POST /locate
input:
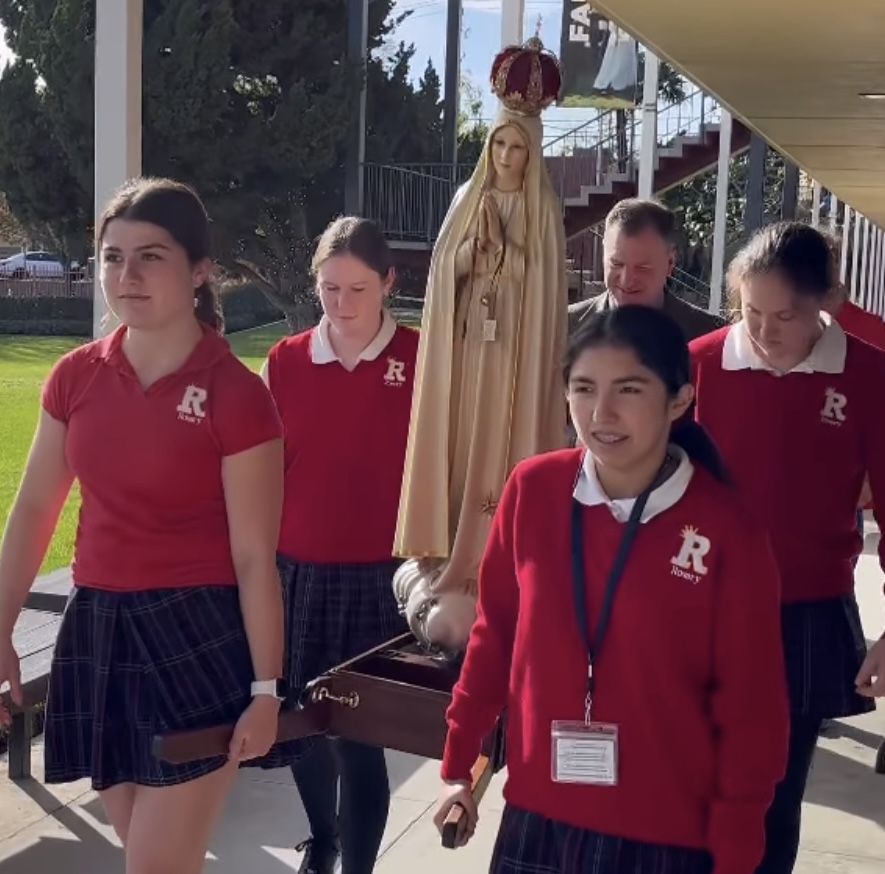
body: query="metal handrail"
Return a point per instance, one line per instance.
(411, 200)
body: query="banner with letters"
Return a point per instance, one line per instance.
(600, 61)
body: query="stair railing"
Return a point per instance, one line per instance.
(411, 200)
(609, 144)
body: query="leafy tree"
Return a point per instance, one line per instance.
(12, 233)
(472, 129)
(403, 123)
(40, 189)
(249, 100)
(695, 200)
(695, 203)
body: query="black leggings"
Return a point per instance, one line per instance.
(784, 818)
(358, 821)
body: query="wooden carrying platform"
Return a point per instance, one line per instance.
(394, 696)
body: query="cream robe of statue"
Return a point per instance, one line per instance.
(488, 390)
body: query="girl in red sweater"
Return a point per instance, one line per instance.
(628, 620)
(795, 405)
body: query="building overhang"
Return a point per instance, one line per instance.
(793, 70)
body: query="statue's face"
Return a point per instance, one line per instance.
(510, 155)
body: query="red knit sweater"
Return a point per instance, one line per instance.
(690, 670)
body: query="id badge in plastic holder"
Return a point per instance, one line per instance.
(584, 753)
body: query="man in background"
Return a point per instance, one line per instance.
(639, 254)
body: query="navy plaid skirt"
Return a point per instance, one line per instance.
(129, 665)
(824, 646)
(334, 612)
(528, 843)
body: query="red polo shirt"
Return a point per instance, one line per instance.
(864, 325)
(149, 461)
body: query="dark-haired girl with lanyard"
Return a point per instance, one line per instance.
(795, 405)
(629, 620)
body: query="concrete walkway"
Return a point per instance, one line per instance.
(50, 830)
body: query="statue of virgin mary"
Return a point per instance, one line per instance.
(487, 388)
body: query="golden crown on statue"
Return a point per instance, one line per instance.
(526, 78)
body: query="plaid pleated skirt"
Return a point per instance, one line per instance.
(824, 647)
(528, 843)
(129, 665)
(334, 612)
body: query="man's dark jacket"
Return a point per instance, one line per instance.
(694, 321)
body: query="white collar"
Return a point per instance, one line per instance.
(321, 351)
(589, 492)
(827, 356)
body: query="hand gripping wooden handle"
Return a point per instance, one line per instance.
(180, 747)
(455, 823)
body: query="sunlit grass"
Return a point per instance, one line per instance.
(24, 364)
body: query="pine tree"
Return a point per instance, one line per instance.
(248, 100)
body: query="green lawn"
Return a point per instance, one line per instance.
(24, 363)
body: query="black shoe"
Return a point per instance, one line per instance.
(319, 856)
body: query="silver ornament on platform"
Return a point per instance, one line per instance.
(441, 621)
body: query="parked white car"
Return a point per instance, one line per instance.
(28, 265)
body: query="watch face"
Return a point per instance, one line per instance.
(282, 690)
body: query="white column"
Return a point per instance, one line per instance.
(512, 22)
(876, 248)
(879, 282)
(882, 273)
(717, 272)
(866, 274)
(648, 147)
(815, 205)
(834, 209)
(118, 43)
(855, 257)
(881, 310)
(846, 228)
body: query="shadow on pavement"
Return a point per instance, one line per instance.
(841, 783)
(83, 850)
(262, 822)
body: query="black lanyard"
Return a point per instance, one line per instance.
(593, 643)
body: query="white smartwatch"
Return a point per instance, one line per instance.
(273, 688)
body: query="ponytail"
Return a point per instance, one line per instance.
(697, 444)
(207, 307)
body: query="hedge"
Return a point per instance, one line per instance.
(55, 316)
(245, 307)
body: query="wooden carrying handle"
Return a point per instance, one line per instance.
(180, 747)
(455, 824)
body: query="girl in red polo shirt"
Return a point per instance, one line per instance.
(176, 620)
(344, 392)
(795, 405)
(629, 620)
